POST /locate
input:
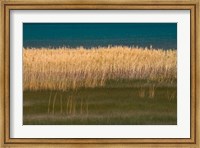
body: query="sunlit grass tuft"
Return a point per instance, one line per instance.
(65, 68)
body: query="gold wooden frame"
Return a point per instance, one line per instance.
(7, 5)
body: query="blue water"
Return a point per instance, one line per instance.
(157, 35)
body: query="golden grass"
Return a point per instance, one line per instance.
(65, 68)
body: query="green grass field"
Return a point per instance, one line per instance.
(117, 103)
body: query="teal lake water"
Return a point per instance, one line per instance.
(157, 35)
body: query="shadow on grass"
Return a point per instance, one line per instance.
(130, 105)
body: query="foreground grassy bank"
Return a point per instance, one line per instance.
(127, 105)
(101, 86)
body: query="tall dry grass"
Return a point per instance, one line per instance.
(64, 68)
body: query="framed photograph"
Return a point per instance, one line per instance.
(120, 73)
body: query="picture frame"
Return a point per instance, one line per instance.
(7, 6)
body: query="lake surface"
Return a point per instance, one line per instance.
(157, 35)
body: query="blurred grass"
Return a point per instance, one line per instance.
(118, 103)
